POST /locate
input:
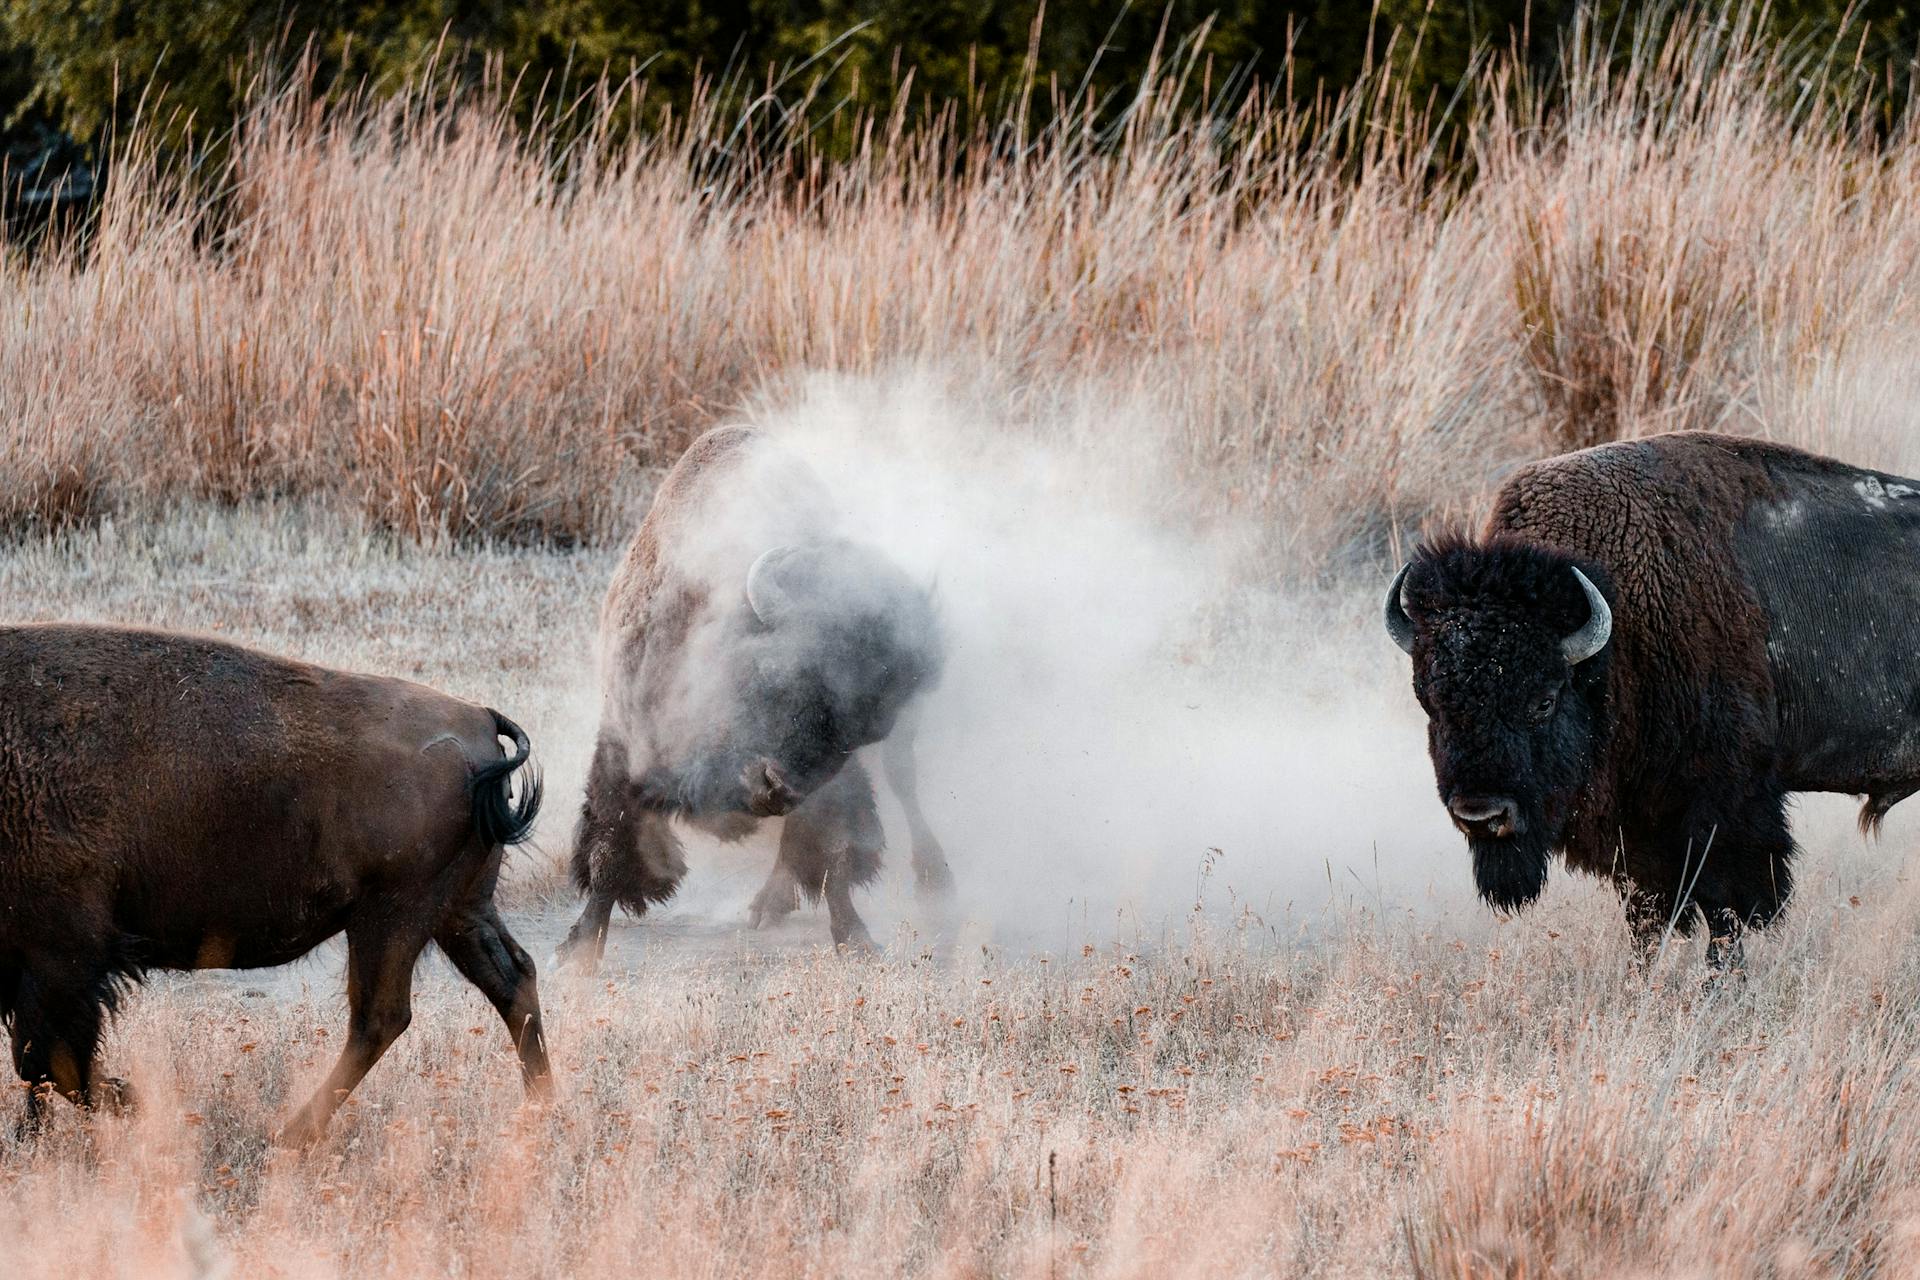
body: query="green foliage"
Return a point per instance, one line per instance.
(88, 64)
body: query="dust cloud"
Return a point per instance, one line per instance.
(1135, 721)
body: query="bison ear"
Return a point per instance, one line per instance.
(1593, 635)
(1399, 625)
(769, 594)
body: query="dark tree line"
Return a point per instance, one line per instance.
(75, 67)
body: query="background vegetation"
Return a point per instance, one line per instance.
(85, 63)
(416, 305)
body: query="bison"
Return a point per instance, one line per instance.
(1650, 645)
(748, 650)
(174, 802)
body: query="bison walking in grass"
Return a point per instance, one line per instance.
(1652, 644)
(173, 802)
(748, 650)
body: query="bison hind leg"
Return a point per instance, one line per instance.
(384, 941)
(486, 954)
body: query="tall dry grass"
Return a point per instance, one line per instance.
(409, 307)
(1364, 1082)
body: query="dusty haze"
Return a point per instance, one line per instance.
(1134, 717)
(1137, 716)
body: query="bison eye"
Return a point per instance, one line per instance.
(1543, 709)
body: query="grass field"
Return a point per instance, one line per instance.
(1159, 412)
(1376, 1077)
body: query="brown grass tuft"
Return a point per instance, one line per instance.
(418, 312)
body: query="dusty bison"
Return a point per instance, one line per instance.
(747, 651)
(173, 802)
(1650, 645)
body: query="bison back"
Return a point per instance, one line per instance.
(1831, 554)
(224, 807)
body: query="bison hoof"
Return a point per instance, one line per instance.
(580, 951)
(573, 960)
(932, 878)
(113, 1095)
(777, 900)
(856, 942)
(299, 1133)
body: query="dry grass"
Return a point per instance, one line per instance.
(1208, 1108)
(449, 327)
(1401, 1087)
(415, 327)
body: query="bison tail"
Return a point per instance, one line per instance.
(500, 819)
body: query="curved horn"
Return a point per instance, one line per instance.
(1593, 636)
(765, 596)
(1399, 625)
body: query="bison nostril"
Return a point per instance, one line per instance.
(1484, 815)
(770, 794)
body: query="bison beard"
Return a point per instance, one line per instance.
(1509, 873)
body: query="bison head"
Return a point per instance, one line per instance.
(831, 642)
(1510, 648)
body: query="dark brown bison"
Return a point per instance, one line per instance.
(1649, 647)
(747, 651)
(173, 802)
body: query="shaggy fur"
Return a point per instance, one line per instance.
(1764, 609)
(174, 802)
(718, 716)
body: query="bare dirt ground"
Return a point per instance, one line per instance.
(1385, 1082)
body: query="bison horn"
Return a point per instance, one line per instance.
(1592, 637)
(766, 595)
(1399, 625)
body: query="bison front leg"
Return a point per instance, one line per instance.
(624, 854)
(586, 941)
(777, 897)
(1745, 874)
(381, 952)
(1725, 954)
(1652, 917)
(832, 845)
(932, 876)
(55, 1032)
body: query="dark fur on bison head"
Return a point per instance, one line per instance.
(1510, 653)
(831, 641)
